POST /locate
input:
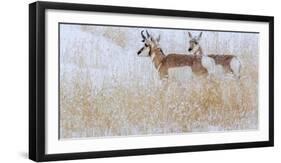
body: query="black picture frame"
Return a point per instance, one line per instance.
(37, 80)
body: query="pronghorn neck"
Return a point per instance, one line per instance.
(157, 56)
(197, 51)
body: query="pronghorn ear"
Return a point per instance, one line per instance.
(158, 39)
(148, 35)
(190, 35)
(200, 35)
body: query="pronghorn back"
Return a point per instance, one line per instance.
(180, 60)
(223, 60)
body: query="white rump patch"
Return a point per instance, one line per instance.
(235, 65)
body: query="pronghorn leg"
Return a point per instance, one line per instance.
(163, 74)
(164, 78)
(235, 66)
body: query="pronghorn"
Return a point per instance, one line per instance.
(193, 44)
(163, 62)
(229, 63)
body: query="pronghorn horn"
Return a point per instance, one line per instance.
(158, 39)
(142, 35)
(190, 35)
(148, 35)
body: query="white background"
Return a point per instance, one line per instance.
(14, 79)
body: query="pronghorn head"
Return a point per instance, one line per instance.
(149, 44)
(194, 47)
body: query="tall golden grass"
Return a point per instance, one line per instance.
(132, 107)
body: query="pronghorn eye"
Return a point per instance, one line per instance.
(142, 40)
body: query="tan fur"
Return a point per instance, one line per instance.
(176, 60)
(223, 60)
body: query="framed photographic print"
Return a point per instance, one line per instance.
(109, 81)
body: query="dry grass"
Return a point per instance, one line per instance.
(200, 105)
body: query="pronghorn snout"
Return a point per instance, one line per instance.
(140, 51)
(189, 49)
